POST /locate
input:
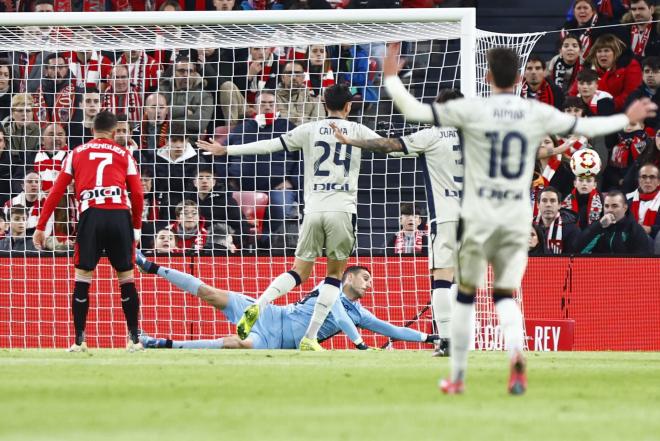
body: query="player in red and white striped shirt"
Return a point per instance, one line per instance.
(109, 220)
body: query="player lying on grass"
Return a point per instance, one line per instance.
(282, 327)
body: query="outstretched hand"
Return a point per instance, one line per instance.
(212, 147)
(640, 110)
(391, 61)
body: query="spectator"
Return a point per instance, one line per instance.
(9, 170)
(295, 101)
(215, 205)
(80, 130)
(142, 71)
(176, 165)
(645, 201)
(48, 161)
(6, 88)
(650, 155)
(535, 86)
(32, 199)
(123, 135)
(649, 89)
(89, 69)
(598, 102)
(536, 242)
(166, 242)
(22, 131)
(585, 200)
(224, 5)
(221, 239)
(262, 73)
(620, 73)
(630, 144)
(353, 70)
(573, 105)
(319, 69)
(616, 232)
(154, 210)
(564, 67)
(410, 239)
(551, 169)
(190, 231)
(557, 224)
(276, 174)
(156, 124)
(308, 4)
(586, 24)
(16, 239)
(258, 5)
(189, 102)
(56, 95)
(643, 37)
(121, 97)
(62, 238)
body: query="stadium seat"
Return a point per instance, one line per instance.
(253, 205)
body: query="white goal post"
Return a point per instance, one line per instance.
(443, 49)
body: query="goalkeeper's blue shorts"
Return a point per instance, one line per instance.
(267, 331)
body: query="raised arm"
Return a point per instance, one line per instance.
(380, 145)
(264, 147)
(403, 100)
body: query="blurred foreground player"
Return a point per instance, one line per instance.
(102, 171)
(501, 134)
(282, 327)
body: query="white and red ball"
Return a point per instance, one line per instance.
(585, 162)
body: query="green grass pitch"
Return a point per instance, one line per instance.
(341, 395)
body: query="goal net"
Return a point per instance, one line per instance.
(235, 78)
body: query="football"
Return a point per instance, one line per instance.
(585, 162)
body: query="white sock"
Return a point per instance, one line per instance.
(441, 303)
(461, 323)
(510, 318)
(281, 285)
(328, 294)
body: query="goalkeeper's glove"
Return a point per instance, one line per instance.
(432, 338)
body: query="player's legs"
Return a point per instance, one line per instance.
(509, 264)
(80, 307)
(181, 280)
(339, 232)
(285, 282)
(442, 259)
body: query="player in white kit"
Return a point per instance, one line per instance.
(331, 179)
(441, 159)
(501, 134)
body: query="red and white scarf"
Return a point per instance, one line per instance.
(91, 72)
(48, 165)
(400, 242)
(187, 242)
(599, 95)
(645, 206)
(581, 143)
(327, 80)
(34, 209)
(594, 205)
(554, 241)
(585, 38)
(143, 73)
(543, 93)
(628, 148)
(63, 102)
(550, 169)
(123, 104)
(638, 40)
(162, 135)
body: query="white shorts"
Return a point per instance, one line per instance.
(504, 248)
(442, 246)
(332, 230)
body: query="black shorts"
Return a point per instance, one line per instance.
(105, 230)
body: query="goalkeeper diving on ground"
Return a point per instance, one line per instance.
(282, 327)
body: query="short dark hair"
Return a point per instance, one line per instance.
(183, 204)
(18, 209)
(337, 96)
(571, 36)
(91, 89)
(105, 121)
(591, 3)
(649, 3)
(53, 55)
(615, 193)
(146, 172)
(445, 95)
(353, 269)
(551, 189)
(296, 62)
(536, 58)
(587, 76)
(573, 101)
(503, 65)
(652, 61)
(409, 209)
(177, 131)
(205, 169)
(122, 118)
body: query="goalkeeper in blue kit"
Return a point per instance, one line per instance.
(282, 327)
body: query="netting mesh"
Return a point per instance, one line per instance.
(232, 221)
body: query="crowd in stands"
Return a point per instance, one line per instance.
(166, 100)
